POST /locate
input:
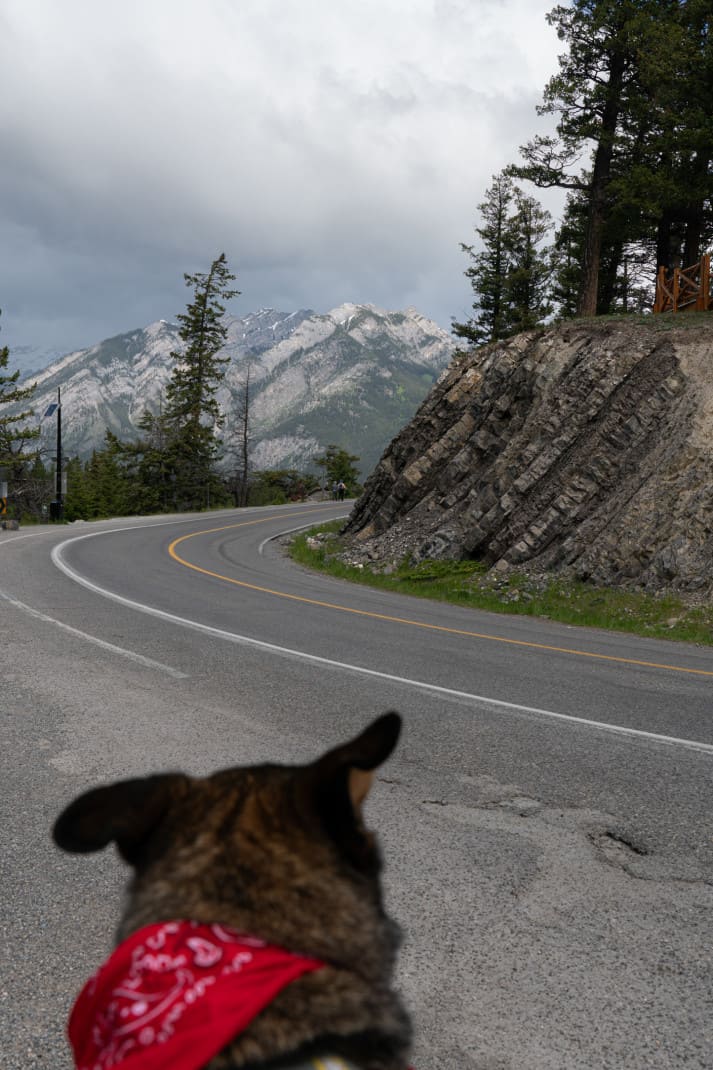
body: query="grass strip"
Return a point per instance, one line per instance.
(467, 583)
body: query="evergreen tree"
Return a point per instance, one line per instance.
(619, 255)
(588, 95)
(510, 275)
(17, 440)
(106, 488)
(632, 100)
(154, 469)
(566, 256)
(121, 479)
(147, 466)
(489, 267)
(192, 411)
(134, 486)
(679, 167)
(529, 269)
(15, 435)
(339, 466)
(78, 501)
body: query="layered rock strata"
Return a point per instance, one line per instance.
(586, 450)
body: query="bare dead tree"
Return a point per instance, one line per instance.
(242, 473)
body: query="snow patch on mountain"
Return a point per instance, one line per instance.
(353, 375)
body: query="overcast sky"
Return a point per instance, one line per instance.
(335, 150)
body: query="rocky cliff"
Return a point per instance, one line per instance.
(586, 450)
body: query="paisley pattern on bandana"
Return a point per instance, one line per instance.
(174, 994)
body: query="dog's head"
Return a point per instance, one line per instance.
(279, 851)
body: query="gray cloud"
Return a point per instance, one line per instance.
(334, 152)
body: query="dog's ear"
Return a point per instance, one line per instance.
(340, 781)
(126, 812)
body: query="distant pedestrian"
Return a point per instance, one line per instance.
(335, 490)
(341, 490)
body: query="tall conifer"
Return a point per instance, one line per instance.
(192, 410)
(509, 274)
(633, 136)
(489, 267)
(15, 435)
(529, 268)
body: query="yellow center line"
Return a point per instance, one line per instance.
(405, 620)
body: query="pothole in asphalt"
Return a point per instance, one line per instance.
(624, 841)
(618, 847)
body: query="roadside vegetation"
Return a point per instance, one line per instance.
(466, 583)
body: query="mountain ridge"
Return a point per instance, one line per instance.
(353, 375)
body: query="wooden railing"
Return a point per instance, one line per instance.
(685, 289)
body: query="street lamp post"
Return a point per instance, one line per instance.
(57, 506)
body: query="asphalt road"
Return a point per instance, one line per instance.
(546, 819)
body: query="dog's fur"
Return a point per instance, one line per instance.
(279, 852)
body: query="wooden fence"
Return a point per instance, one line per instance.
(685, 289)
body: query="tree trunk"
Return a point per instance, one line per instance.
(695, 212)
(589, 285)
(664, 248)
(245, 441)
(608, 278)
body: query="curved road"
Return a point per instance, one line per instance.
(546, 819)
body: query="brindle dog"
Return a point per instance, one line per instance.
(279, 852)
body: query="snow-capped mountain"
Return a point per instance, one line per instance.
(353, 376)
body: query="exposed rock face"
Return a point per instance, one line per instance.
(585, 450)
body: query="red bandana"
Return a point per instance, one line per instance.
(174, 994)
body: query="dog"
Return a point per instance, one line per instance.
(254, 934)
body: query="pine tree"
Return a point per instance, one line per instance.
(489, 267)
(14, 432)
(529, 270)
(146, 465)
(566, 256)
(679, 167)
(16, 438)
(78, 501)
(192, 411)
(588, 95)
(510, 275)
(634, 135)
(105, 486)
(339, 465)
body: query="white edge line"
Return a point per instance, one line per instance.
(132, 655)
(291, 531)
(140, 659)
(446, 692)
